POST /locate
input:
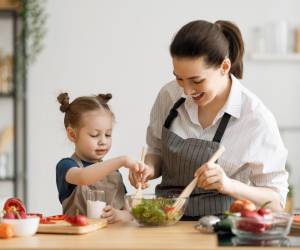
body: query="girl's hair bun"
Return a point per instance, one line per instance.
(63, 99)
(104, 98)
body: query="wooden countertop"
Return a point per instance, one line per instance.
(123, 236)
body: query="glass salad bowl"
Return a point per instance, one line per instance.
(272, 227)
(151, 210)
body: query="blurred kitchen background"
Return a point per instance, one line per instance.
(121, 47)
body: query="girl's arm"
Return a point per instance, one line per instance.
(147, 171)
(97, 171)
(114, 215)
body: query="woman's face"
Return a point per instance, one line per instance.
(199, 81)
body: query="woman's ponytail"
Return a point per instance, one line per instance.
(236, 46)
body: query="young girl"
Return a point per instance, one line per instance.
(88, 122)
(207, 105)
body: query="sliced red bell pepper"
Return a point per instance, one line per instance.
(45, 220)
(14, 204)
(57, 217)
(168, 209)
(36, 214)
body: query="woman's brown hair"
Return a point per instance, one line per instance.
(74, 110)
(212, 41)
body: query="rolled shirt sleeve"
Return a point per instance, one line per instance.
(267, 159)
(159, 113)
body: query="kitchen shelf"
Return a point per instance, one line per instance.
(9, 5)
(289, 128)
(7, 95)
(17, 96)
(289, 57)
(7, 179)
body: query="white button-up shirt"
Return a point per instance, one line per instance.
(254, 154)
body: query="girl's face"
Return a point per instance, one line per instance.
(199, 81)
(94, 138)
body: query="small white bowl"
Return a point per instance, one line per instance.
(24, 227)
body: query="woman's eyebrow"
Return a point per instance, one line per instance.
(190, 78)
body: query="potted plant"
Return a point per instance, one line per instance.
(289, 205)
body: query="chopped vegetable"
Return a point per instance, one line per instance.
(6, 231)
(45, 220)
(77, 220)
(14, 204)
(57, 217)
(223, 226)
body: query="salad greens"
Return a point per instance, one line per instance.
(156, 212)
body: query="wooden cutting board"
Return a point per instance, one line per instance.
(63, 227)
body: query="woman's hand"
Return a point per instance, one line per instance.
(141, 176)
(114, 215)
(212, 176)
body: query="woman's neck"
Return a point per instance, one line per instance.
(208, 113)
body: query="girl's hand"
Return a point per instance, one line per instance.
(212, 176)
(141, 176)
(114, 215)
(130, 163)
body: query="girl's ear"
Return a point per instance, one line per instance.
(71, 134)
(225, 67)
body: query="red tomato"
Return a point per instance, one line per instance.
(168, 209)
(77, 220)
(241, 205)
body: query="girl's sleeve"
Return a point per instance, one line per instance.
(64, 188)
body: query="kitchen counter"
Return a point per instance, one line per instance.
(124, 236)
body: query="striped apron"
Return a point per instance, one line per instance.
(112, 185)
(180, 159)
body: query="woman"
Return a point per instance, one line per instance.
(207, 105)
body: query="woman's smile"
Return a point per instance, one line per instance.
(198, 96)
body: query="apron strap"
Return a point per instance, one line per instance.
(222, 127)
(173, 112)
(220, 130)
(78, 161)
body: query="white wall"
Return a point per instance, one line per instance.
(122, 47)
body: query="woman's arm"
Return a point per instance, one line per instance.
(97, 171)
(258, 195)
(212, 176)
(154, 163)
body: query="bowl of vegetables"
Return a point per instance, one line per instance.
(254, 226)
(152, 210)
